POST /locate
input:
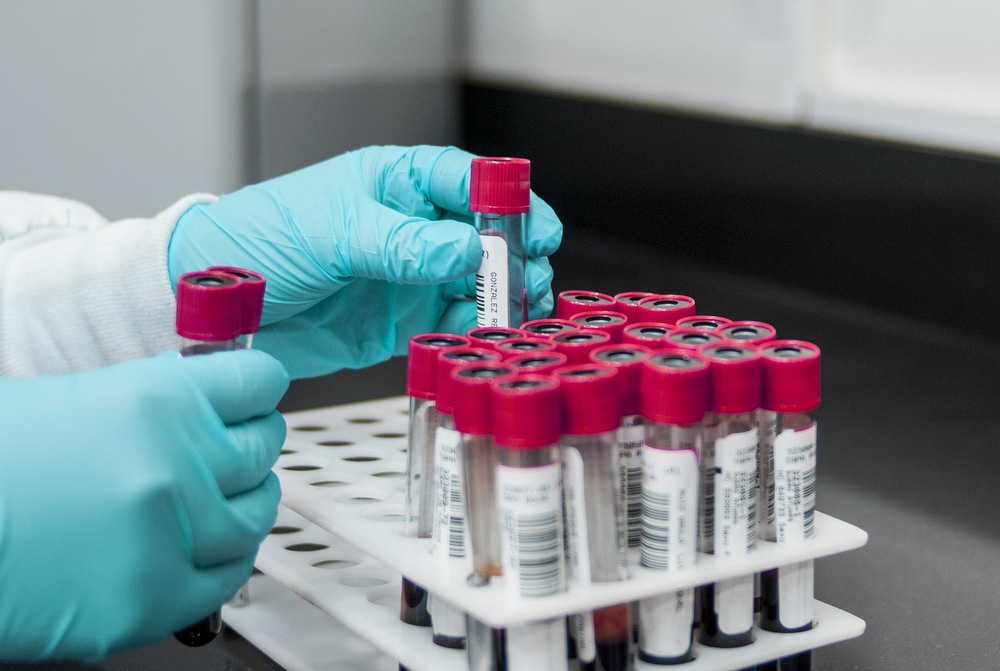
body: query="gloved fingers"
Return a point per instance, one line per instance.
(400, 249)
(537, 279)
(544, 230)
(212, 587)
(225, 533)
(542, 308)
(240, 384)
(423, 181)
(459, 316)
(244, 461)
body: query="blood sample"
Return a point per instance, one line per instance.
(706, 322)
(569, 303)
(595, 534)
(627, 303)
(609, 321)
(527, 345)
(421, 384)
(537, 364)
(527, 424)
(673, 399)
(489, 337)
(729, 490)
(749, 332)
(252, 287)
(500, 197)
(576, 345)
(788, 475)
(692, 338)
(546, 328)
(208, 319)
(664, 308)
(647, 334)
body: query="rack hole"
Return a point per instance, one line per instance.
(362, 458)
(364, 420)
(335, 563)
(285, 530)
(309, 427)
(306, 547)
(302, 467)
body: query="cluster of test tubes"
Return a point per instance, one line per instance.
(626, 431)
(218, 310)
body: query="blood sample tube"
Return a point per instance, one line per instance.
(421, 384)
(691, 338)
(489, 337)
(609, 321)
(706, 322)
(729, 490)
(788, 470)
(537, 364)
(253, 287)
(208, 319)
(627, 303)
(527, 424)
(673, 398)
(546, 328)
(664, 308)
(594, 512)
(749, 332)
(499, 197)
(647, 334)
(517, 346)
(576, 345)
(569, 303)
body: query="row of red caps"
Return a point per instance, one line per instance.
(581, 372)
(220, 303)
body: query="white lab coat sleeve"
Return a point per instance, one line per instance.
(78, 292)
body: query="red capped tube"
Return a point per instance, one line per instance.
(665, 308)
(527, 345)
(627, 303)
(253, 287)
(448, 360)
(569, 303)
(705, 322)
(609, 321)
(749, 332)
(692, 338)
(489, 337)
(647, 334)
(546, 328)
(544, 363)
(577, 345)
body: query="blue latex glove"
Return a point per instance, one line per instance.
(132, 498)
(360, 252)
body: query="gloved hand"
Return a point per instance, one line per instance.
(360, 252)
(132, 498)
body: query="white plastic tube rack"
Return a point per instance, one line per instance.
(343, 472)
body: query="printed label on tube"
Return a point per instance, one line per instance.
(767, 421)
(795, 484)
(630, 475)
(795, 595)
(665, 624)
(493, 283)
(449, 508)
(736, 494)
(669, 508)
(577, 544)
(531, 528)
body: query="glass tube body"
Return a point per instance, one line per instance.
(669, 537)
(448, 515)
(501, 298)
(728, 515)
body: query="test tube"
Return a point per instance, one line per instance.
(647, 334)
(546, 328)
(527, 424)
(421, 384)
(673, 399)
(527, 345)
(595, 534)
(664, 308)
(488, 337)
(569, 303)
(729, 490)
(208, 319)
(500, 198)
(252, 287)
(692, 338)
(627, 302)
(749, 332)
(537, 364)
(576, 345)
(788, 438)
(706, 322)
(609, 321)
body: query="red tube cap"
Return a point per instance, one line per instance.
(609, 321)
(472, 386)
(627, 302)
(526, 345)
(527, 412)
(500, 185)
(487, 337)
(568, 303)
(735, 377)
(691, 338)
(546, 328)
(448, 360)
(576, 345)
(253, 295)
(664, 308)
(673, 387)
(749, 332)
(705, 322)
(590, 398)
(209, 306)
(628, 360)
(537, 364)
(791, 375)
(648, 334)
(421, 362)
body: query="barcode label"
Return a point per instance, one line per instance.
(706, 500)
(795, 484)
(767, 424)
(669, 508)
(735, 512)
(577, 547)
(531, 525)
(493, 284)
(630, 475)
(449, 505)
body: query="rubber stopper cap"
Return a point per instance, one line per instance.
(472, 387)
(487, 337)
(421, 362)
(590, 398)
(649, 334)
(546, 328)
(749, 332)
(209, 306)
(628, 360)
(569, 303)
(576, 345)
(705, 322)
(735, 377)
(673, 387)
(665, 308)
(791, 375)
(527, 412)
(526, 345)
(627, 303)
(609, 321)
(448, 360)
(500, 185)
(692, 338)
(537, 364)
(253, 287)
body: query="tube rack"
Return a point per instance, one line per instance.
(342, 472)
